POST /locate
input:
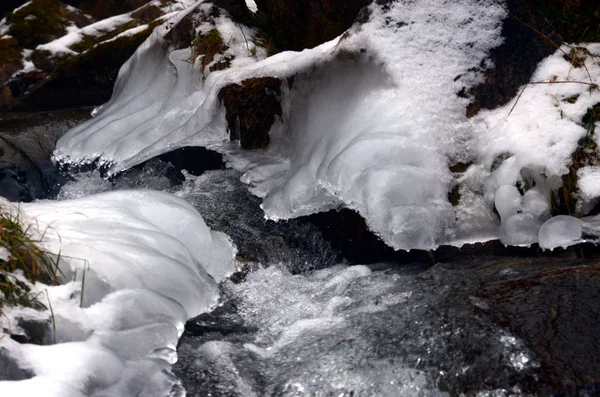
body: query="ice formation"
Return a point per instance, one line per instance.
(137, 264)
(372, 122)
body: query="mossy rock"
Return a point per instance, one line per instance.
(251, 109)
(11, 58)
(37, 23)
(90, 41)
(83, 80)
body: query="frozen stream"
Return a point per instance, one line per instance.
(346, 330)
(299, 320)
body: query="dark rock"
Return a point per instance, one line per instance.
(26, 143)
(515, 59)
(7, 6)
(194, 159)
(236, 8)
(555, 310)
(295, 25)
(21, 85)
(35, 332)
(182, 34)
(251, 109)
(83, 80)
(223, 320)
(574, 20)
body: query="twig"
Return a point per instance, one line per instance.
(544, 36)
(592, 85)
(243, 34)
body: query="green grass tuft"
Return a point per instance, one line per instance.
(26, 260)
(209, 45)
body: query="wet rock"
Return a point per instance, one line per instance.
(224, 320)
(554, 308)
(251, 110)
(26, 143)
(295, 25)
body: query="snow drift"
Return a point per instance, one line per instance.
(137, 265)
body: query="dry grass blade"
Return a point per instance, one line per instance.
(209, 45)
(591, 85)
(23, 262)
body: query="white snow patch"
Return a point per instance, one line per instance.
(28, 65)
(4, 27)
(149, 263)
(22, 6)
(251, 4)
(62, 44)
(127, 33)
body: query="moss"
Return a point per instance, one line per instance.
(37, 23)
(209, 45)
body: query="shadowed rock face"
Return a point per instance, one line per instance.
(7, 6)
(515, 59)
(573, 20)
(26, 143)
(251, 110)
(295, 25)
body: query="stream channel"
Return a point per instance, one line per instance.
(298, 319)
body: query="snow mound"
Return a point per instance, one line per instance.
(137, 264)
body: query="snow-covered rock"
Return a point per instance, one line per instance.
(137, 265)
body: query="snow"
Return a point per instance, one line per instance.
(127, 33)
(588, 180)
(137, 264)
(4, 254)
(251, 4)
(4, 27)
(62, 44)
(372, 123)
(28, 65)
(22, 6)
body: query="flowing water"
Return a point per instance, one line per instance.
(299, 320)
